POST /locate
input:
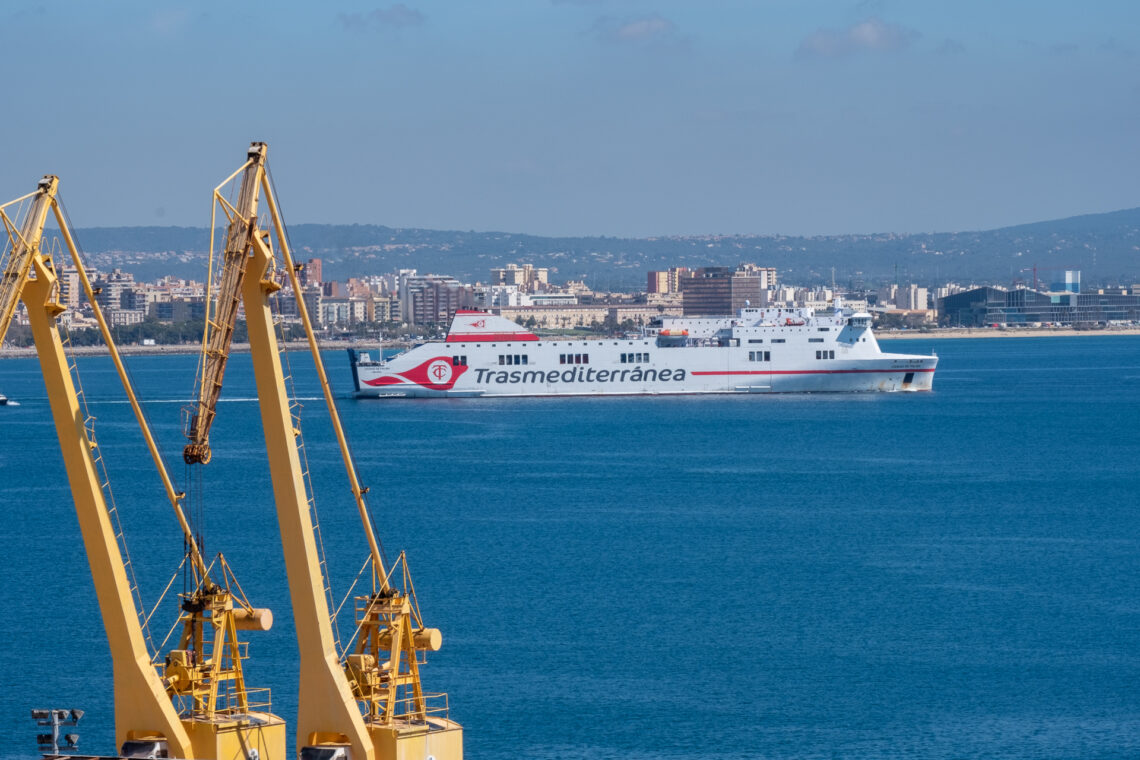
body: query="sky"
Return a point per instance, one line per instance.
(626, 118)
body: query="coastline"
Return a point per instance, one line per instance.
(182, 348)
(990, 332)
(300, 345)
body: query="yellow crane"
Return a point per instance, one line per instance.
(195, 703)
(366, 702)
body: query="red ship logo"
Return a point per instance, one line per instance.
(437, 374)
(479, 323)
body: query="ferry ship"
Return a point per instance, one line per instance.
(760, 350)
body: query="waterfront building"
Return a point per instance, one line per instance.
(342, 311)
(998, 306)
(381, 308)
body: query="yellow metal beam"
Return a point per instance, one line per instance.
(358, 492)
(378, 570)
(142, 708)
(326, 709)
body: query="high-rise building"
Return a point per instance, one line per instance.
(111, 287)
(311, 273)
(667, 281)
(431, 299)
(721, 291)
(912, 298)
(70, 292)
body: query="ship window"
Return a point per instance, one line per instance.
(502, 359)
(830, 354)
(524, 358)
(778, 340)
(824, 329)
(818, 354)
(623, 358)
(585, 358)
(815, 340)
(518, 359)
(755, 340)
(562, 358)
(767, 356)
(751, 356)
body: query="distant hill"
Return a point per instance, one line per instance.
(1105, 247)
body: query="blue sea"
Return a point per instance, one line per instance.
(945, 575)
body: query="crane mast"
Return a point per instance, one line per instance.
(368, 704)
(147, 721)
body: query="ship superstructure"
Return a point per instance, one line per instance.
(760, 350)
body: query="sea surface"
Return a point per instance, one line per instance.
(945, 575)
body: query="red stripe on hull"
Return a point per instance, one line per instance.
(808, 371)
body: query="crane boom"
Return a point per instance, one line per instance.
(219, 332)
(146, 719)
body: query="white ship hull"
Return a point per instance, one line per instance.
(760, 351)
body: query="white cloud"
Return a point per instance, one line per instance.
(871, 35)
(396, 16)
(650, 29)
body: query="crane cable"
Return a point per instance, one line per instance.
(351, 454)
